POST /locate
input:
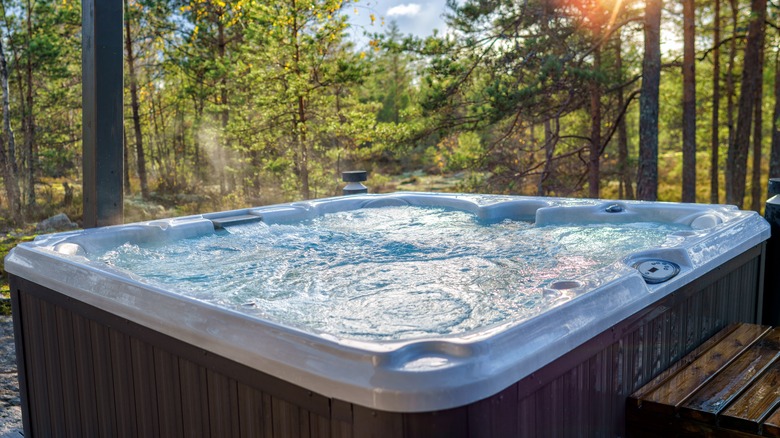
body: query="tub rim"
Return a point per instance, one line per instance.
(375, 375)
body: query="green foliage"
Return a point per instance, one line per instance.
(468, 152)
(57, 162)
(459, 152)
(248, 102)
(5, 302)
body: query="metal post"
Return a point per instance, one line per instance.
(771, 308)
(354, 180)
(102, 118)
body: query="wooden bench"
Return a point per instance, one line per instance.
(729, 386)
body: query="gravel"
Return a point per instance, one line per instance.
(10, 410)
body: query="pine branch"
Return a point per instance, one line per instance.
(722, 42)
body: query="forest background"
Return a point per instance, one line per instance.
(248, 102)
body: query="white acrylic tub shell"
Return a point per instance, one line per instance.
(406, 376)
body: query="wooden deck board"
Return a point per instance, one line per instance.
(730, 386)
(678, 387)
(713, 397)
(756, 403)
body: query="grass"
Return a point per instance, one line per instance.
(5, 300)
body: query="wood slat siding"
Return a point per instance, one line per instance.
(89, 373)
(88, 403)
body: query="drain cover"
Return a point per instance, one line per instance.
(657, 271)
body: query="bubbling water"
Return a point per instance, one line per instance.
(387, 273)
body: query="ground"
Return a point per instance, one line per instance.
(420, 181)
(10, 412)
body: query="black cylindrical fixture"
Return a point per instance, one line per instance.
(354, 180)
(771, 305)
(774, 186)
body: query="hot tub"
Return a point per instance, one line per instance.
(106, 348)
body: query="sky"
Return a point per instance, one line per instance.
(420, 17)
(416, 17)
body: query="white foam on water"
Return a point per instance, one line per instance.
(388, 273)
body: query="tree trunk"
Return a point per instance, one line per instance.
(647, 175)
(595, 129)
(396, 87)
(756, 198)
(625, 188)
(689, 102)
(303, 163)
(774, 161)
(29, 118)
(549, 150)
(8, 159)
(196, 138)
(135, 106)
(159, 140)
(715, 143)
(300, 129)
(736, 167)
(730, 83)
(126, 158)
(225, 114)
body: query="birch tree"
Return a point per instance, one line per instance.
(8, 165)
